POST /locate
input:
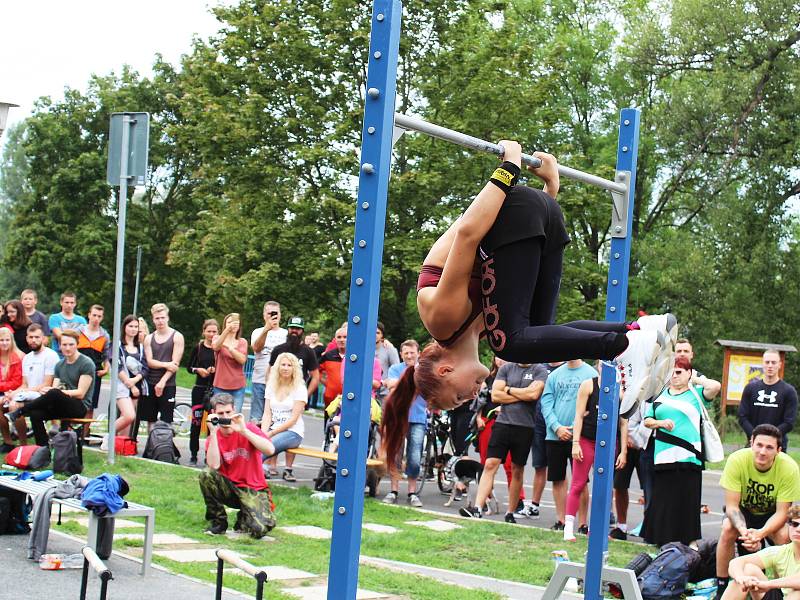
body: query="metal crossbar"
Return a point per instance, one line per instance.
(90, 559)
(230, 557)
(409, 123)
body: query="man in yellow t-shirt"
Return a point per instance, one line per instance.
(781, 563)
(760, 484)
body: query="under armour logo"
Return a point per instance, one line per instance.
(772, 397)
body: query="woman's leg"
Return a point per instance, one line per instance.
(126, 416)
(285, 440)
(520, 289)
(198, 407)
(580, 477)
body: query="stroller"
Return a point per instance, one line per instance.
(325, 481)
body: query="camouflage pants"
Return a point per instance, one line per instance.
(255, 506)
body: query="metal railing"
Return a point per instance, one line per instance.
(90, 558)
(230, 557)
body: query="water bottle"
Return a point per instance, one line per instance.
(56, 562)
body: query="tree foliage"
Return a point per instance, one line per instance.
(257, 133)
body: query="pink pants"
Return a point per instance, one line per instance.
(580, 475)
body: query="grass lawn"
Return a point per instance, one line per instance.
(483, 548)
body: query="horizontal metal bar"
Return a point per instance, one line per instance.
(94, 561)
(448, 135)
(234, 559)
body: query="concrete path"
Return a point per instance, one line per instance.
(127, 584)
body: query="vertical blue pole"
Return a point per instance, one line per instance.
(616, 302)
(373, 185)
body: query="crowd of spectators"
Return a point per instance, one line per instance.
(53, 367)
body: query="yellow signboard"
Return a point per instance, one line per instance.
(742, 368)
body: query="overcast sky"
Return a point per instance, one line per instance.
(47, 45)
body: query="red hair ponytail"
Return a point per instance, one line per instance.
(416, 380)
(394, 424)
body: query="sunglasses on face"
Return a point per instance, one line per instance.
(793, 523)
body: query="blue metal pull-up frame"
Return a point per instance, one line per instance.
(376, 149)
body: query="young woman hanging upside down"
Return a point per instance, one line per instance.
(497, 271)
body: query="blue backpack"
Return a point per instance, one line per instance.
(666, 577)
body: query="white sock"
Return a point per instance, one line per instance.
(569, 526)
(623, 527)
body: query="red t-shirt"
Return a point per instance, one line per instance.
(240, 461)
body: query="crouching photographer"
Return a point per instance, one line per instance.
(234, 476)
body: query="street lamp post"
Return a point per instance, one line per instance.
(4, 106)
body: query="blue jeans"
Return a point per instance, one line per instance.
(414, 442)
(257, 402)
(285, 440)
(238, 397)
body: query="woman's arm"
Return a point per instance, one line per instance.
(584, 392)
(239, 355)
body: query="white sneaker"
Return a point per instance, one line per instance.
(390, 498)
(667, 324)
(104, 443)
(414, 501)
(635, 367)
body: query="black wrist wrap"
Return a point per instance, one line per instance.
(505, 176)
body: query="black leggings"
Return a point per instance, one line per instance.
(198, 408)
(54, 404)
(520, 293)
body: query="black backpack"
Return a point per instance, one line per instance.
(15, 510)
(66, 458)
(161, 445)
(666, 577)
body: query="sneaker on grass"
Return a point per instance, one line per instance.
(635, 367)
(471, 512)
(558, 526)
(532, 511)
(617, 534)
(217, 529)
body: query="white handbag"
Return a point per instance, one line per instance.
(713, 451)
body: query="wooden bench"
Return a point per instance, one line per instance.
(34, 488)
(329, 456)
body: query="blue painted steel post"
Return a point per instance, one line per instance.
(373, 185)
(617, 298)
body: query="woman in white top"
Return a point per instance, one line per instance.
(284, 402)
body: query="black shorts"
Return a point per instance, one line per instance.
(538, 449)
(558, 455)
(510, 438)
(622, 477)
(158, 408)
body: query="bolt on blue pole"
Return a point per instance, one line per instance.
(616, 301)
(373, 186)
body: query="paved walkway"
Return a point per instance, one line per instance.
(127, 584)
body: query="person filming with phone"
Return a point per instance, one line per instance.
(234, 476)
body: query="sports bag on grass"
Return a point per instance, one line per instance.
(15, 510)
(65, 453)
(29, 457)
(666, 577)
(125, 446)
(160, 445)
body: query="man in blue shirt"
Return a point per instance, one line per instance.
(417, 423)
(558, 409)
(64, 320)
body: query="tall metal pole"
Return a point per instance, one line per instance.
(616, 301)
(116, 339)
(365, 282)
(138, 274)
